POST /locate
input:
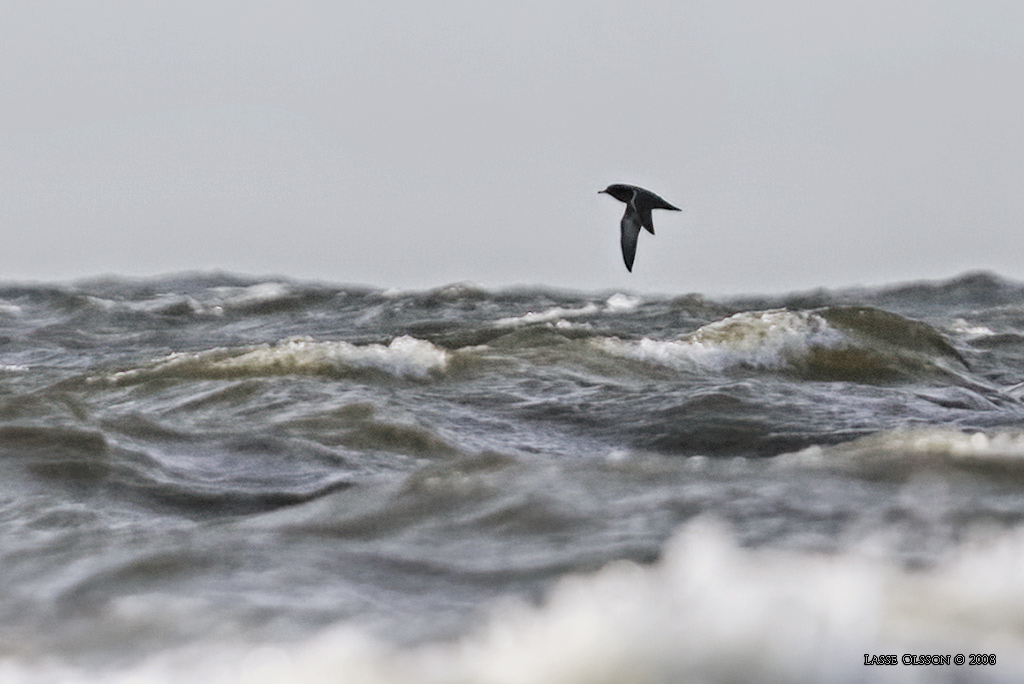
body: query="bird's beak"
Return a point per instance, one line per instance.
(600, 191)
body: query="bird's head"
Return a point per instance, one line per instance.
(623, 193)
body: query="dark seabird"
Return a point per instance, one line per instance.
(639, 203)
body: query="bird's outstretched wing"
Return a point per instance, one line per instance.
(643, 209)
(630, 231)
(645, 201)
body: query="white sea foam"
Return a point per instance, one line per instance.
(615, 304)
(554, 314)
(708, 611)
(569, 325)
(161, 303)
(933, 442)
(759, 339)
(9, 309)
(622, 303)
(214, 301)
(405, 356)
(965, 328)
(452, 291)
(259, 293)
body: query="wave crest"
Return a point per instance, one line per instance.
(709, 610)
(833, 343)
(404, 356)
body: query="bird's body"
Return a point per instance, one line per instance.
(639, 203)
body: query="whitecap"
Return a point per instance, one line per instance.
(966, 328)
(965, 446)
(250, 295)
(553, 314)
(622, 303)
(760, 339)
(9, 309)
(404, 356)
(707, 611)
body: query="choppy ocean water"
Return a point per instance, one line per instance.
(214, 478)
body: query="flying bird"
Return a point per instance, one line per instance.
(639, 203)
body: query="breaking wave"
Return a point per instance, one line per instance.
(618, 303)
(840, 343)
(708, 611)
(895, 453)
(404, 357)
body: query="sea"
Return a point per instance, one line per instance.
(216, 478)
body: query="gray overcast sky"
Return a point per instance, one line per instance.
(413, 144)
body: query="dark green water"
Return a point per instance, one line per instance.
(348, 483)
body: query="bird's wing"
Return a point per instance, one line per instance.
(630, 232)
(662, 204)
(652, 200)
(645, 201)
(641, 202)
(644, 210)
